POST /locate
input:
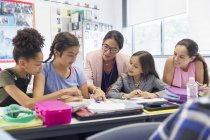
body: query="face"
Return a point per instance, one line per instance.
(68, 56)
(33, 66)
(134, 68)
(181, 57)
(110, 49)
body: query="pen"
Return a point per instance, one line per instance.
(199, 84)
(97, 101)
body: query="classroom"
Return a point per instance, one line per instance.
(108, 69)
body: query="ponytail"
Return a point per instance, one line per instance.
(51, 51)
(205, 68)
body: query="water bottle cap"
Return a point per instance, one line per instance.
(191, 78)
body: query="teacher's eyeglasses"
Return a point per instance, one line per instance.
(112, 50)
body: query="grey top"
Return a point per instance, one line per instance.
(125, 84)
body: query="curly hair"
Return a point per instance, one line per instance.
(27, 43)
(61, 42)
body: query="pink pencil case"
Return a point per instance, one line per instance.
(53, 112)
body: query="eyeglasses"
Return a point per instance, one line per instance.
(112, 50)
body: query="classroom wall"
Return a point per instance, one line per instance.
(110, 13)
(106, 14)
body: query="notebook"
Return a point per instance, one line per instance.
(99, 110)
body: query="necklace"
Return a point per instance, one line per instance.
(137, 84)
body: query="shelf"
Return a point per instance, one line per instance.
(67, 3)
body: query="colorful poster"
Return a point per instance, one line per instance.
(14, 15)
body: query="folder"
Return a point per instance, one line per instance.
(11, 125)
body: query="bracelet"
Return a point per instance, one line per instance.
(123, 97)
(94, 90)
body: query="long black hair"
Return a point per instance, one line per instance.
(147, 63)
(61, 42)
(192, 48)
(117, 36)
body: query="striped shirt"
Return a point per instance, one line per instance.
(191, 122)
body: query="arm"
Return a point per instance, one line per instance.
(84, 89)
(160, 86)
(38, 85)
(28, 102)
(199, 72)
(115, 91)
(168, 71)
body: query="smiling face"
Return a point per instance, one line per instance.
(110, 49)
(68, 57)
(134, 68)
(181, 57)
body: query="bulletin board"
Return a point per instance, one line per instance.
(14, 15)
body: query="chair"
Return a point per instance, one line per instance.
(139, 131)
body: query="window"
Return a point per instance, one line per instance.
(174, 29)
(148, 37)
(159, 37)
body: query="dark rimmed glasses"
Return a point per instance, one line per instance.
(112, 50)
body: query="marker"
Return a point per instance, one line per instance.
(97, 101)
(199, 84)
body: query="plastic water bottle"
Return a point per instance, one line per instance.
(192, 89)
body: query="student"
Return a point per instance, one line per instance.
(186, 62)
(28, 57)
(103, 66)
(60, 72)
(191, 122)
(140, 80)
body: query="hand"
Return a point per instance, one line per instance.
(67, 98)
(132, 94)
(99, 95)
(202, 87)
(148, 95)
(72, 91)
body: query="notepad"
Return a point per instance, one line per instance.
(111, 106)
(141, 100)
(160, 111)
(108, 106)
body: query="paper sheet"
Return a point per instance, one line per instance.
(139, 100)
(108, 106)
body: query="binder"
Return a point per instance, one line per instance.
(11, 125)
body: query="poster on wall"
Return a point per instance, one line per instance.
(14, 15)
